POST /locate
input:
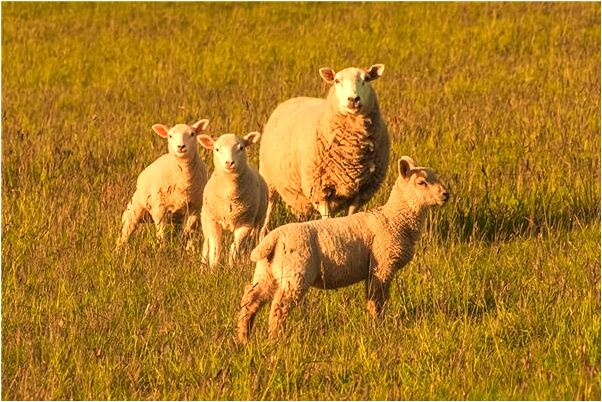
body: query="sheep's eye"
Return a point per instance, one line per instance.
(192, 134)
(337, 81)
(216, 149)
(422, 182)
(170, 136)
(239, 147)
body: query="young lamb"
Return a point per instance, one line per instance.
(327, 154)
(235, 196)
(332, 253)
(172, 185)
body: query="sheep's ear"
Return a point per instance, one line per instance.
(374, 72)
(200, 125)
(327, 74)
(205, 141)
(252, 138)
(404, 166)
(161, 130)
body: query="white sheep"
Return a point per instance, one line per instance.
(170, 186)
(327, 154)
(235, 196)
(333, 253)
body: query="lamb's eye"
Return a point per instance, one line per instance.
(337, 81)
(239, 147)
(192, 134)
(170, 136)
(216, 149)
(422, 182)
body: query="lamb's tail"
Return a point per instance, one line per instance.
(265, 248)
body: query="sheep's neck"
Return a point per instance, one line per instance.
(404, 215)
(188, 168)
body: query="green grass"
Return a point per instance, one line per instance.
(502, 300)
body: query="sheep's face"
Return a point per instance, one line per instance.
(420, 185)
(182, 138)
(229, 153)
(352, 87)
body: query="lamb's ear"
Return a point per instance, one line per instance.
(327, 74)
(205, 141)
(404, 166)
(161, 130)
(252, 138)
(374, 72)
(200, 125)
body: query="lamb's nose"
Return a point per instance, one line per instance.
(181, 147)
(229, 164)
(353, 99)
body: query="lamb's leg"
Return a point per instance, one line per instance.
(285, 298)
(240, 235)
(255, 296)
(377, 292)
(158, 213)
(272, 198)
(212, 246)
(130, 218)
(190, 224)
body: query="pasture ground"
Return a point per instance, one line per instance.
(502, 300)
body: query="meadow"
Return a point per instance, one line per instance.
(502, 300)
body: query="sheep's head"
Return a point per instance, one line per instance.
(229, 153)
(352, 87)
(181, 138)
(420, 185)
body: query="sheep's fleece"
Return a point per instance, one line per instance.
(332, 253)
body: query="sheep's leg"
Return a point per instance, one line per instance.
(285, 298)
(190, 223)
(354, 206)
(240, 235)
(377, 293)
(130, 218)
(212, 246)
(272, 198)
(158, 212)
(255, 296)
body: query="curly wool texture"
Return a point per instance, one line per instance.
(337, 252)
(310, 153)
(351, 159)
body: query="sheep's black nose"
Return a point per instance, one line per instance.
(181, 147)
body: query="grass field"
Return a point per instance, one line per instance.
(502, 300)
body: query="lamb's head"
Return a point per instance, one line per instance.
(419, 186)
(182, 138)
(229, 153)
(352, 87)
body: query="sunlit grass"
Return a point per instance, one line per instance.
(502, 300)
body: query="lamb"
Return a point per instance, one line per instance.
(235, 197)
(368, 246)
(327, 154)
(170, 186)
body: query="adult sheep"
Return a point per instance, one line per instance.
(327, 154)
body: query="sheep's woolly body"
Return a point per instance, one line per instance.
(236, 200)
(171, 184)
(337, 252)
(310, 152)
(235, 197)
(351, 157)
